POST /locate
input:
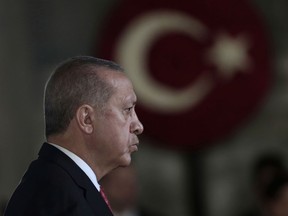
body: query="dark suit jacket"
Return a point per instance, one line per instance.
(55, 185)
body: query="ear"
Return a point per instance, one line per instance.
(85, 118)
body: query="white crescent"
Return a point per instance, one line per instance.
(131, 52)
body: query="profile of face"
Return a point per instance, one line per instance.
(116, 130)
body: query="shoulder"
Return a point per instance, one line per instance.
(45, 179)
(48, 187)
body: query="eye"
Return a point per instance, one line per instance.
(129, 109)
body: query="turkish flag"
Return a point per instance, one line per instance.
(199, 68)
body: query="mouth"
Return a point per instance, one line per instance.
(134, 147)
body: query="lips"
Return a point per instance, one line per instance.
(134, 147)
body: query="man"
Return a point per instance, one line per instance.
(91, 129)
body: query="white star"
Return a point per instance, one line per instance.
(230, 55)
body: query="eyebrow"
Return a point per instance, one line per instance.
(132, 99)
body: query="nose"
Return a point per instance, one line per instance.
(136, 126)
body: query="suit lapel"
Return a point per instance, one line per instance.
(92, 195)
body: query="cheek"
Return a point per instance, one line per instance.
(117, 127)
(118, 136)
(122, 127)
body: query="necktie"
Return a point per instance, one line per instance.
(104, 197)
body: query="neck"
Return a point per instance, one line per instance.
(78, 147)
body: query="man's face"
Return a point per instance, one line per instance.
(116, 130)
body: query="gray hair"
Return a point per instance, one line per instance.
(74, 82)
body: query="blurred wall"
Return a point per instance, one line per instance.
(35, 35)
(16, 105)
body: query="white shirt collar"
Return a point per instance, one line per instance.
(81, 163)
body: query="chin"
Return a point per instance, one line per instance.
(126, 161)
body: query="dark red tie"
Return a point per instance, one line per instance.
(104, 197)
